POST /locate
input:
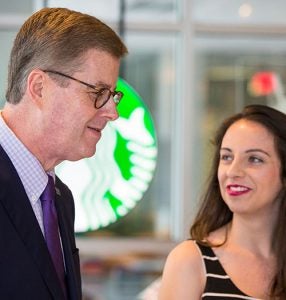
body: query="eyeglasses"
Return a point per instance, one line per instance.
(101, 95)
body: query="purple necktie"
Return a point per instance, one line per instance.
(51, 230)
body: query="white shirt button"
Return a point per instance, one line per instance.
(34, 197)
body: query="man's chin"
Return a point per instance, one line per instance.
(85, 154)
(89, 153)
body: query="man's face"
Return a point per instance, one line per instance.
(71, 122)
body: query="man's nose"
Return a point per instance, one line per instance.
(110, 110)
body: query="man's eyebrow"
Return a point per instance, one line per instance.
(102, 84)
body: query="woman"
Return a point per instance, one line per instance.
(238, 246)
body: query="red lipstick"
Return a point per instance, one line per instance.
(236, 189)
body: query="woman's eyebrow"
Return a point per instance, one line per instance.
(225, 149)
(248, 151)
(258, 150)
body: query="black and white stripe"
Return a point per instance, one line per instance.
(218, 284)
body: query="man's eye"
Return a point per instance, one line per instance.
(93, 95)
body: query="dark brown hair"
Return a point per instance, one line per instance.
(55, 37)
(214, 213)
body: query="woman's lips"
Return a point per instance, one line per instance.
(236, 189)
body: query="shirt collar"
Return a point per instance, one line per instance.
(29, 169)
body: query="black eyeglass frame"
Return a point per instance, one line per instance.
(116, 95)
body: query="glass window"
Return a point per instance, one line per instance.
(6, 38)
(13, 7)
(152, 11)
(135, 10)
(13, 13)
(106, 10)
(254, 12)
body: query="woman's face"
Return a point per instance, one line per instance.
(249, 169)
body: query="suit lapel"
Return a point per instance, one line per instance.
(65, 217)
(17, 205)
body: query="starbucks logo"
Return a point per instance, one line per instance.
(108, 185)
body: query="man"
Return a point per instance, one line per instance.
(61, 93)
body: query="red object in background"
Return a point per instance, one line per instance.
(263, 83)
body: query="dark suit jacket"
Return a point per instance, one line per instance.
(26, 269)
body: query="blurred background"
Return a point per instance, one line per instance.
(193, 62)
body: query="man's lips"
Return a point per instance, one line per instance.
(236, 189)
(98, 128)
(95, 129)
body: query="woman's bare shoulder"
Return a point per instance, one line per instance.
(185, 252)
(183, 275)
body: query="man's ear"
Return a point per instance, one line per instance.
(35, 84)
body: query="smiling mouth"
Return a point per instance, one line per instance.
(95, 129)
(236, 190)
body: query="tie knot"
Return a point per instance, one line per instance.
(49, 191)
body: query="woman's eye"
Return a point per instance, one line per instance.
(225, 157)
(255, 159)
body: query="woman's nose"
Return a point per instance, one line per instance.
(235, 169)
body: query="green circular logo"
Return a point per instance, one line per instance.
(109, 184)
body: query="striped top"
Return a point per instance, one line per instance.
(218, 284)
